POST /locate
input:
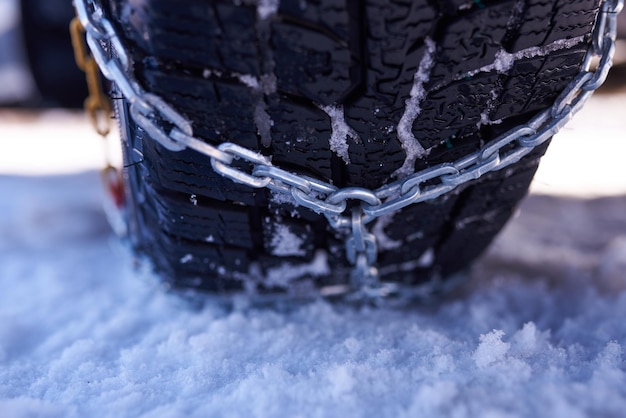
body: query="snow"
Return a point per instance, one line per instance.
(279, 198)
(538, 329)
(427, 258)
(267, 8)
(263, 122)
(186, 258)
(83, 334)
(412, 109)
(287, 272)
(489, 105)
(249, 80)
(341, 131)
(491, 349)
(285, 243)
(504, 60)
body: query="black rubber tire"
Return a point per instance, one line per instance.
(268, 79)
(46, 37)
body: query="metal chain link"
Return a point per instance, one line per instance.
(174, 132)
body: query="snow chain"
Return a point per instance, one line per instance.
(348, 209)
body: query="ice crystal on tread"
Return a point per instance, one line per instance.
(249, 80)
(283, 275)
(427, 258)
(410, 144)
(267, 82)
(341, 131)
(504, 60)
(281, 198)
(489, 107)
(267, 8)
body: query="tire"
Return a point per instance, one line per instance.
(49, 52)
(322, 87)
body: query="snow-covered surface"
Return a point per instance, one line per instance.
(538, 330)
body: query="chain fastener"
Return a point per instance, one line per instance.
(362, 252)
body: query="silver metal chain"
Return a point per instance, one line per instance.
(174, 132)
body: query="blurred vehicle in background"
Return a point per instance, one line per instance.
(37, 66)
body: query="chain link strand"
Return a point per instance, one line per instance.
(169, 128)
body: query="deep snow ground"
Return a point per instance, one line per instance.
(538, 330)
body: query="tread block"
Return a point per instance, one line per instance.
(311, 64)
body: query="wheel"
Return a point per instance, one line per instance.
(354, 93)
(46, 42)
